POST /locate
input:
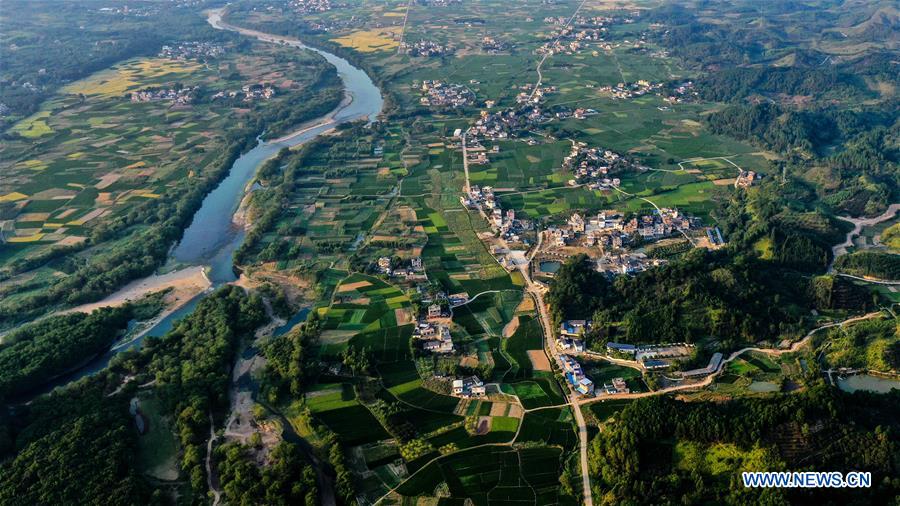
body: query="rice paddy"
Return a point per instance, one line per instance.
(367, 41)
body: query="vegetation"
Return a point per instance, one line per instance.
(662, 450)
(870, 263)
(285, 479)
(870, 344)
(74, 446)
(705, 294)
(38, 352)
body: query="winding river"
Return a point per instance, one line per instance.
(213, 236)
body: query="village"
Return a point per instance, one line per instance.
(179, 95)
(591, 166)
(248, 93)
(193, 50)
(425, 48)
(445, 95)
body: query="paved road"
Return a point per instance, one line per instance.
(465, 154)
(571, 397)
(548, 54)
(734, 355)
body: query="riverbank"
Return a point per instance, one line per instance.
(185, 284)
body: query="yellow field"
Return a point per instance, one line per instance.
(368, 41)
(394, 14)
(32, 164)
(33, 126)
(119, 79)
(27, 238)
(135, 165)
(12, 197)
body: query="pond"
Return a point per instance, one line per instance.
(867, 383)
(764, 386)
(549, 266)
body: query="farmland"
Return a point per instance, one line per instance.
(91, 170)
(392, 191)
(385, 322)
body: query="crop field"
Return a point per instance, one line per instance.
(91, 155)
(552, 426)
(366, 41)
(527, 337)
(132, 75)
(536, 393)
(453, 255)
(493, 476)
(342, 195)
(364, 303)
(520, 166)
(336, 406)
(413, 393)
(489, 313)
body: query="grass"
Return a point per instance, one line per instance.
(720, 459)
(157, 453)
(605, 410)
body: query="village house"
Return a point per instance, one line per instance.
(458, 299)
(618, 386)
(612, 347)
(575, 376)
(434, 311)
(470, 386)
(714, 362)
(574, 328)
(745, 179)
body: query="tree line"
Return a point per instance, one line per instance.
(663, 451)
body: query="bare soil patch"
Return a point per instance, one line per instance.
(403, 316)
(539, 360)
(510, 328)
(349, 287)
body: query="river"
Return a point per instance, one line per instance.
(213, 236)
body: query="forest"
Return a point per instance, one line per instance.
(875, 264)
(77, 445)
(285, 480)
(34, 354)
(705, 294)
(664, 451)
